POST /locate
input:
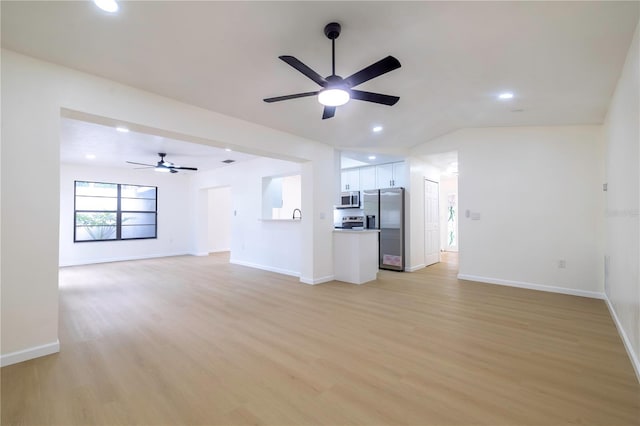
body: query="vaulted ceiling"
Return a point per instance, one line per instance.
(561, 60)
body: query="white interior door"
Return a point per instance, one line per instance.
(431, 223)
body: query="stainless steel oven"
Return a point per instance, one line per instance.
(351, 222)
(349, 200)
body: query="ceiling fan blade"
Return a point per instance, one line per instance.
(141, 164)
(372, 71)
(329, 111)
(374, 97)
(284, 98)
(297, 64)
(182, 168)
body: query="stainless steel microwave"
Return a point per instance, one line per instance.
(349, 200)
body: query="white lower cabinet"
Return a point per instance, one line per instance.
(355, 255)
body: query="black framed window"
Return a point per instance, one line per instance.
(113, 211)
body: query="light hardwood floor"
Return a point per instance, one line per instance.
(195, 340)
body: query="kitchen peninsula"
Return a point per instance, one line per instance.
(355, 255)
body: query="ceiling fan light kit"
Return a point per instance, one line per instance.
(333, 97)
(337, 91)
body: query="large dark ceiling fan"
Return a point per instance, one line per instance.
(336, 90)
(162, 165)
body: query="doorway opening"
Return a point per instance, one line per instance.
(219, 220)
(441, 193)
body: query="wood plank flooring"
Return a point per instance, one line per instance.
(195, 340)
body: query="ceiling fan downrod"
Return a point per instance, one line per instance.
(332, 31)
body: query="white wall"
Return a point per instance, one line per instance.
(173, 216)
(622, 134)
(219, 215)
(266, 244)
(538, 191)
(34, 95)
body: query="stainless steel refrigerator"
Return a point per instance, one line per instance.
(384, 210)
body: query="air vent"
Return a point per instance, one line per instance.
(229, 161)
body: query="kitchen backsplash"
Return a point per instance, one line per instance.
(338, 214)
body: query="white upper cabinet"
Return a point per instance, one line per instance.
(399, 175)
(391, 175)
(384, 175)
(350, 180)
(368, 178)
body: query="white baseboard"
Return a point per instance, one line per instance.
(623, 335)
(123, 258)
(414, 268)
(532, 286)
(265, 268)
(314, 281)
(199, 253)
(30, 353)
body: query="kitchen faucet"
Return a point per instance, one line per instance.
(294, 214)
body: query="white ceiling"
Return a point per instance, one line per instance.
(560, 59)
(113, 148)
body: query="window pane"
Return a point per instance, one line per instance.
(138, 231)
(91, 233)
(96, 203)
(138, 204)
(100, 219)
(135, 191)
(97, 189)
(129, 219)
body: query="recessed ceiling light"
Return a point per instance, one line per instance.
(122, 129)
(372, 157)
(377, 129)
(505, 95)
(107, 5)
(90, 156)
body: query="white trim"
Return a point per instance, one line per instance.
(414, 268)
(29, 353)
(199, 253)
(627, 343)
(125, 258)
(314, 281)
(532, 286)
(265, 268)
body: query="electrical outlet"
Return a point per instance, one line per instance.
(562, 264)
